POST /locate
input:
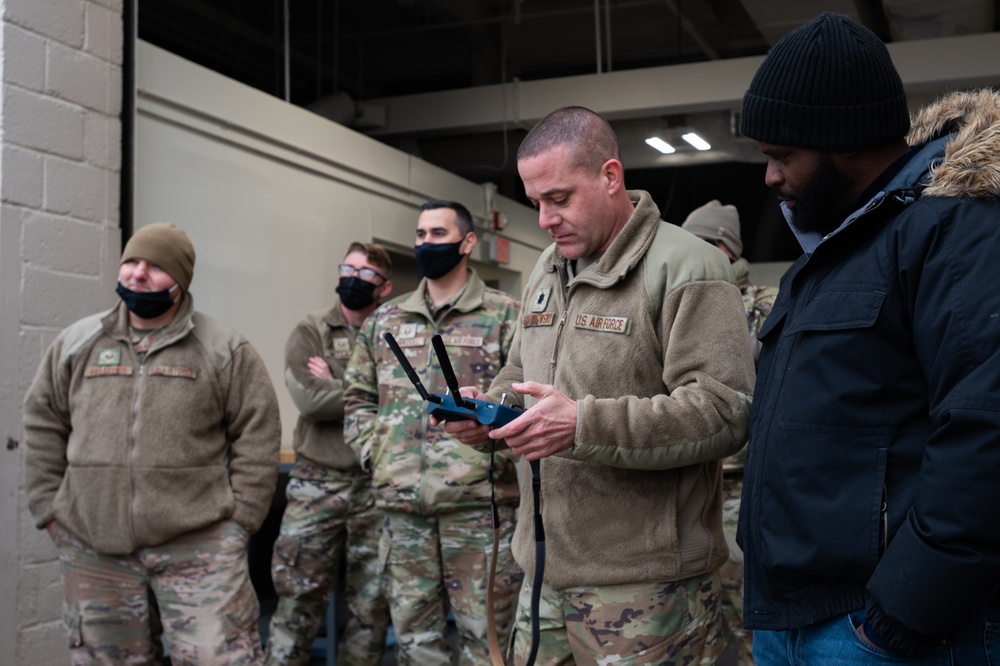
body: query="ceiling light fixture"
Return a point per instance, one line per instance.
(696, 141)
(660, 145)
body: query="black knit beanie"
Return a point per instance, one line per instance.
(828, 85)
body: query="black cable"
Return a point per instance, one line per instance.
(536, 584)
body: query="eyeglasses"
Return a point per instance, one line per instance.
(366, 274)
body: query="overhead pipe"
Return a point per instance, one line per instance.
(288, 55)
(597, 33)
(411, 29)
(692, 30)
(607, 30)
(319, 49)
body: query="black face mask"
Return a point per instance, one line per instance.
(146, 304)
(355, 293)
(436, 259)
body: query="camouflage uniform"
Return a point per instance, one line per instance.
(667, 624)
(206, 601)
(430, 559)
(434, 490)
(330, 511)
(757, 301)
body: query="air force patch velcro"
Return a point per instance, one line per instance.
(463, 340)
(604, 324)
(172, 371)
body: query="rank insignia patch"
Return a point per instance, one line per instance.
(541, 299)
(112, 356)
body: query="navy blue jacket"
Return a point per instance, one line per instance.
(873, 471)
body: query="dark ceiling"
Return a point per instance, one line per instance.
(383, 48)
(360, 50)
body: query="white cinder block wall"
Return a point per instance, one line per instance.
(60, 134)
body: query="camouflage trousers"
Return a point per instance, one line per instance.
(731, 573)
(330, 515)
(433, 563)
(640, 624)
(200, 582)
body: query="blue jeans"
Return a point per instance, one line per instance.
(836, 643)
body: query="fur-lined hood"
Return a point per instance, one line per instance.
(971, 166)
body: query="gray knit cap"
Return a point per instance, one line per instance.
(716, 222)
(827, 85)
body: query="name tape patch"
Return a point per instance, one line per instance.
(604, 324)
(107, 370)
(538, 319)
(411, 342)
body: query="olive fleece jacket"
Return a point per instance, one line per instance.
(651, 343)
(128, 451)
(319, 431)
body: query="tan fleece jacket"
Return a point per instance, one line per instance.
(651, 343)
(128, 452)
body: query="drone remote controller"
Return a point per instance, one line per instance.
(452, 406)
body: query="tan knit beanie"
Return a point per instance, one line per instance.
(716, 222)
(164, 244)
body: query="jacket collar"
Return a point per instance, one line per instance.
(334, 317)
(625, 251)
(116, 323)
(741, 271)
(903, 188)
(469, 299)
(957, 145)
(969, 125)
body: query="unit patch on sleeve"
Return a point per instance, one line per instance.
(541, 299)
(605, 324)
(538, 319)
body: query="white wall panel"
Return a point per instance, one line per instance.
(272, 195)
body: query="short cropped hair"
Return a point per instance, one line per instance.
(463, 218)
(591, 140)
(374, 253)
